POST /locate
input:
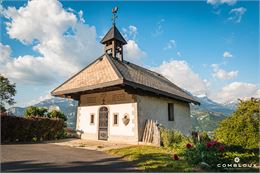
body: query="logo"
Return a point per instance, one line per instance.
(236, 164)
(237, 159)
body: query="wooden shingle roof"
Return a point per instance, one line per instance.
(107, 71)
(113, 33)
(145, 79)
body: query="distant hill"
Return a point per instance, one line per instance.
(207, 116)
(204, 117)
(208, 104)
(69, 108)
(17, 111)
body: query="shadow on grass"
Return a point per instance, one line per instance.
(240, 149)
(156, 159)
(160, 162)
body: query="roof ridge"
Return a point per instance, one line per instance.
(114, 66)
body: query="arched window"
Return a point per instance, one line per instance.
(103, 123)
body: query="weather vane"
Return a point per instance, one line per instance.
(114, 11)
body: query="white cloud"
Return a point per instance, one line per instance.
(236, 14)
(5, 54)
(81, 18)
(236, 90)
(124, 30)
(178, 53)
(222, 74)
(207, 82)
(65, 43)
(26, 69)
(52, 17)
(182, 75)
(130, 33)
(39, 99)
(133, 31)
(133, 52)
(30, 70)
(219, 2)
(159, 28)
(171, 44)
(227, 54)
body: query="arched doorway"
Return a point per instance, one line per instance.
(103, 123)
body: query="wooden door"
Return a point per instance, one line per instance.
(103, 124)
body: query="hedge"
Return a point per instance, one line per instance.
(19, 129)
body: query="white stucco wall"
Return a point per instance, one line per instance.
(139, 108)
(120, 132)
(156, 108)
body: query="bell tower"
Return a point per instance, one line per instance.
(113, 40)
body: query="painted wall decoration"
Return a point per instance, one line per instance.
(126, 119)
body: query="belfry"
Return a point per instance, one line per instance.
(113, 40)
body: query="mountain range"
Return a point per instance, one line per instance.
(207, 116)
(204, 117)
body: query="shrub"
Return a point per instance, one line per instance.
(35, 111)
(211, 153)
(2, 110)
(245, 157)
(195, 136)
(194, 155)
(201, 137)
(57, 114)
(174, 138)
(61, 134)
(177, 137)
(242, 127)
(166, 137)
(19, 129)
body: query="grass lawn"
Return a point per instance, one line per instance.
(151, 158)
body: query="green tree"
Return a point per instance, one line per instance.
(57, 114)
(242, 127)
(35, 111)
(7, 92)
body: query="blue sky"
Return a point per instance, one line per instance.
(185, 41)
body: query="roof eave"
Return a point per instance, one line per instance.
(88, 88)
(103, 41)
